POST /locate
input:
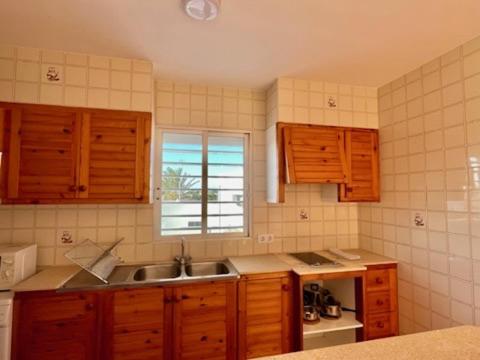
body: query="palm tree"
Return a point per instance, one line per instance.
(176, 185)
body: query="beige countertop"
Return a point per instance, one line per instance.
(54, 277)
(259, 264)
(50, 278)
(461, 342)
(256, 264)
(366, 258)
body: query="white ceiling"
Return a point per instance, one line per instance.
(365, 42)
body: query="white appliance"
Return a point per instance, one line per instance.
(6, 304)
(17, 262)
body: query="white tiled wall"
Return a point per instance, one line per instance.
(88, 81)
(330, 224)
(430, 151)
(303, 101)
(186, 105)
(44, 225)
(83, 80)
(314, 102)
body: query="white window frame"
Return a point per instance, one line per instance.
(157, 192)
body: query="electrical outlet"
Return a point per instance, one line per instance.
(265, 238)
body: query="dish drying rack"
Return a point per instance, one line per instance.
(96, 260)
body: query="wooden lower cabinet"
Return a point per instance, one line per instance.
(189, 321)
(194, 321)
(381, 302)
(138, 324)
(204, 321)
(265, 315)
(50, 326)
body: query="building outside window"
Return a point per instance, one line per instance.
(202, 184)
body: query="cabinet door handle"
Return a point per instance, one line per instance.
(379, 302)
(285, 287)
(72, 188)
(82, 188)
(89, 306)
(380, 324)
(379, 280)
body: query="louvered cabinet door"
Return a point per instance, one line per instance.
(204, 321)
(52, 326)
(114, 156)
(42, 154)
(3, 158)
(361, 147)
(314, 154)
(139, 324)
(265, 316)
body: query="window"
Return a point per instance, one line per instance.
(202, 186)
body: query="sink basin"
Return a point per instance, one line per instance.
(157, 272)
(207, 269)
(166, 273)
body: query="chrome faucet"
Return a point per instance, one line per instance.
(183, 259)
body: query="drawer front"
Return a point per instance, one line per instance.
(378, 280)
(381, 325)
(379, 302)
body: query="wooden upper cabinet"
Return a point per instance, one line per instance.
(41, 153)
(56, 154)
(314, 154)
(317, 154)
(115, 152)
(361, 147)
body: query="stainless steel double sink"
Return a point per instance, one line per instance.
(174, 271)
(166, 273)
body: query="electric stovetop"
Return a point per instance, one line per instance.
(313, 259)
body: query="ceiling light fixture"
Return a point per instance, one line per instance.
(202, 9)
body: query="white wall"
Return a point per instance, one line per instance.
(430, 151)
(102, 82)
(89, 81)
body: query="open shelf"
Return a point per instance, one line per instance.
(347, 321)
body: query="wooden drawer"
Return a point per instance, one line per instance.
(379, 302)
(378, 280)
(381, 325)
